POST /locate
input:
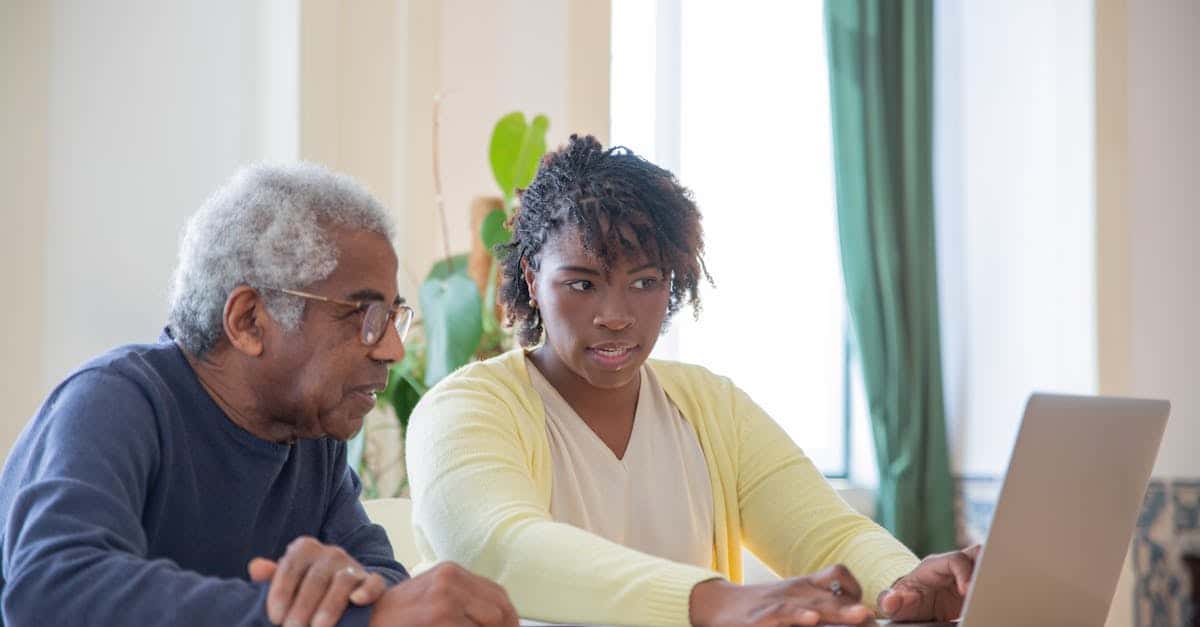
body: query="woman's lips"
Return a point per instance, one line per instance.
(612, 357)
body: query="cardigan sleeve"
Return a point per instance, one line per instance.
(472, 449)
(794, 521)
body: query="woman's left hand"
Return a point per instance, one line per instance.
(934, 590)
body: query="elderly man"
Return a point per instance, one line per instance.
(203, 479)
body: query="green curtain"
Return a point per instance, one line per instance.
(881, 87)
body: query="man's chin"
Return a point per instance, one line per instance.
(345, 429)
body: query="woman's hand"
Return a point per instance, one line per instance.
(934, 590)
(829, 596)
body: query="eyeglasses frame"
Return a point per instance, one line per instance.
(393, 313)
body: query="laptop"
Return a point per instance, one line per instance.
(1066, 512)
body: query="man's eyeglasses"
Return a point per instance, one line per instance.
(376, 316)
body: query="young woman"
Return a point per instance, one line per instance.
(599, 486)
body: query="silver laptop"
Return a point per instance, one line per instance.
(1066, 512)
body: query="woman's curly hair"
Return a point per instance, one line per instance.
(605, 195)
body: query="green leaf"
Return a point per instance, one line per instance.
(409, 369)
(404, 386)
(444, 268)
(493, 232)
(515, 150)
(492, 327)
(408, 392)
(504, 148)
(452, 311)
(532, 149)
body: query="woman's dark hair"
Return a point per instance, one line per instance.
(606, 195)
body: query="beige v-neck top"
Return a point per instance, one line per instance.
(656, 499)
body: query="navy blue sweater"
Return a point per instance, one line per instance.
(131, 499)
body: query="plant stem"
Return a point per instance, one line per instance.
(437, 182)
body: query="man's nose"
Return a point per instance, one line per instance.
(390, 347)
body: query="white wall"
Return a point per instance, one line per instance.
(1164, 213)
(149, 112)
(1049, 268)
(121, 117)
(498, 57)
(24, 104)
(1148, 136)
(1016, 214)
(1113, 291)
(486, 59)
(514, 35)
(1030, 270)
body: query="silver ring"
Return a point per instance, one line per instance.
(836, 588)
(353, 572)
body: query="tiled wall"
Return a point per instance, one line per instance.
(1168, 528)
(974, 505)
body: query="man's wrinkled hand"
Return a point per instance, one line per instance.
(313, 583)
(935, 590)
(446, 594)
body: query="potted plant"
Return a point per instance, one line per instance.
(458, 320)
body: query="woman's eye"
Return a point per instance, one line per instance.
(645, 284)
(582, 285)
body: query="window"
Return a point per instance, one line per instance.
(733, 97)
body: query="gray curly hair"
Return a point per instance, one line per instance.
(265, 228)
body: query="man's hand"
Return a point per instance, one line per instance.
(313, 582)
(934, 590)
(829, 596)
(446, 594)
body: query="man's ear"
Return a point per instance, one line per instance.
(245, 319)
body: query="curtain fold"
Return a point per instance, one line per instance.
(881, 91)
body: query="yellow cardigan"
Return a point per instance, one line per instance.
(480, 470)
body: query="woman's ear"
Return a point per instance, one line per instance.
(530, 278)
